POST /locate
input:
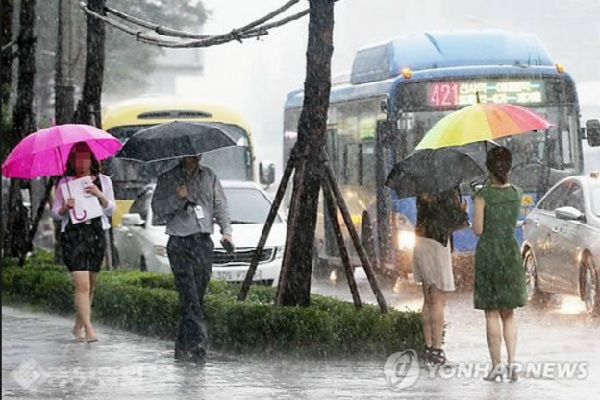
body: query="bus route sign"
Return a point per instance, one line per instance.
(457, 93)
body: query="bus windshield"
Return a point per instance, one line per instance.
(553, 150)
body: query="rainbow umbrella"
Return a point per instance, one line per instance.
(482, 121)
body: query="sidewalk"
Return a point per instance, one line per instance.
(41, 360)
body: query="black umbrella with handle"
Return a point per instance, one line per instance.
(435, 171)
(174, 140)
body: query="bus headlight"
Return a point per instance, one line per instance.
(406, 240)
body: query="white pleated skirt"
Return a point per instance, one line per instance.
(432, 264)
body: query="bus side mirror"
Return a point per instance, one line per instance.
(593, 132)
(267, 172)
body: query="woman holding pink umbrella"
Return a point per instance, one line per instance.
(83, 244)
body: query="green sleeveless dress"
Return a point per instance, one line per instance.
(499, 275)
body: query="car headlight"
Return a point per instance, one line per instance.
(279, 252)
(406, 240)
(160, 251)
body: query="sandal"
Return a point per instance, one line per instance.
(512, 370)
(437, 357)
(426, 353)
(496, 373)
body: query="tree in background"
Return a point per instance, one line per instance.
(127, 63)
(23, 123)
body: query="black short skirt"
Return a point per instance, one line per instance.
(83, 245)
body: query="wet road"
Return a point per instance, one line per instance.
(39, 360)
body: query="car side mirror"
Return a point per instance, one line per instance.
(592, 127)
(132, 220)
(569, 213)
(267, 172)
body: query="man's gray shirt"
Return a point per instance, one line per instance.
(204, 189)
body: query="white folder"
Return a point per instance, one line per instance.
(87, 206)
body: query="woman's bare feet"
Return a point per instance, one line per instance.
(90, 335)
(78, 333)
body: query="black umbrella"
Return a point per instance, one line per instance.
(435, 171)
(178, 139)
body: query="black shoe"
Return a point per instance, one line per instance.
(183, 355)
(198, 355)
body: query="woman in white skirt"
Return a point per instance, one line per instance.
(437, 217)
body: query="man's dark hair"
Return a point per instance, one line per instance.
(499, 163)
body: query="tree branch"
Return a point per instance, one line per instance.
(254, 29)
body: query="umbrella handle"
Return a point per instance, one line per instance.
(82, 218)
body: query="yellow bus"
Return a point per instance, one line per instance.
(126, 118)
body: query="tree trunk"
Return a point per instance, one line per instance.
(7, 16)
(88, 108)
(23, 124)
(295, 285)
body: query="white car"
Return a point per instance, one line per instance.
(141, 242)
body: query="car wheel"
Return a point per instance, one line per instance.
(534, 295)
(591, 286)
(143, 266)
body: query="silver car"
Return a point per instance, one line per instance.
(561, 241)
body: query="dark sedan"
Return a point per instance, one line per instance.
(561, 241)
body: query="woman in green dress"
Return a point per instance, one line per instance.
(499, 285)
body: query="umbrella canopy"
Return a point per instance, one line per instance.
(176, 140)
(435, 171)
(482, 121)
(45, 152)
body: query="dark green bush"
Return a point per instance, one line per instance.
(148, 304)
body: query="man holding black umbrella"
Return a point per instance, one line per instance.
(188, 198)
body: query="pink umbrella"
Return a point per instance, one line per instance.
(45, 152)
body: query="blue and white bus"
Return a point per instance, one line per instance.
(398, 90)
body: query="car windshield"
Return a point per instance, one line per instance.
(246, 206)
(595, 191)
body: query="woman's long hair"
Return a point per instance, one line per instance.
(94, 167)
(499, 163)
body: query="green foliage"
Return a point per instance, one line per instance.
(148, 304)
(128, 62)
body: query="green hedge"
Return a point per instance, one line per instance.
(148, 304)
